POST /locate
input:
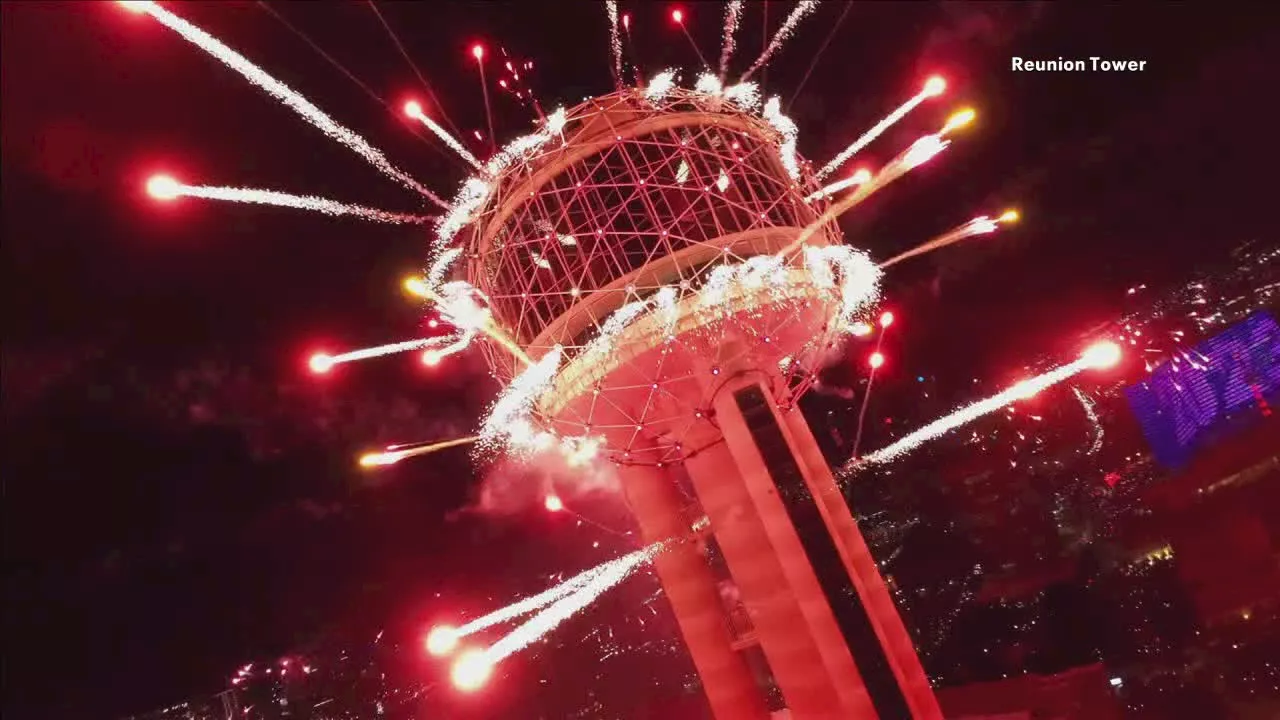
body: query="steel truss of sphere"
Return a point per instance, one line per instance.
(642, 196)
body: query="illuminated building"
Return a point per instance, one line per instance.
(683, 211)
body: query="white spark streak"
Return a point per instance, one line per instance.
(290, 97)
(415, 111)
(531, 603)
(784, 33)
(732, 17)
(300, 202)
(442, 341)
(509, 418)
(969, 413)
(615, 42)
(858, 178)
(475, 190)
(1090, 412)
(889, 121)
(609, 575)
(439, 268)
(787, 128)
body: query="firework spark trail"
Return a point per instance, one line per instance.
(615, 41)
(323, 363)
(508, 419)
(969, 413)
(920, 152)
(283, 93)
(395, 453)
(167, 188)
(1090, 412)
(523, 607)
(932, 88)
(982, 225)
(608, 576)
(732, 18)
(414, 110)
(784, 33)
(858, 178)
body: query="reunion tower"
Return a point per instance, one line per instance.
(657, 250)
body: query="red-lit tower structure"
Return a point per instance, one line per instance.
(630, 228)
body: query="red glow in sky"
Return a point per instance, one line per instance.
(477, 51)
(677, 15)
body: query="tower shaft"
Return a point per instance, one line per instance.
(821, 612)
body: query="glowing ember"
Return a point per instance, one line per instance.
(471, 671)
(442, 640)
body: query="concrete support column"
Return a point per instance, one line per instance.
(773, 603)
(691, 589)
(862, 569)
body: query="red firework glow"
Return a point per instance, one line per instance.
(442, 640)
(163, 187)
(553, 503)
(320, 363)
(471, 671)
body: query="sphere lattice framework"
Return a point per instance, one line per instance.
(607, 245)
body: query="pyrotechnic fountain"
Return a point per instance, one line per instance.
(659, 276)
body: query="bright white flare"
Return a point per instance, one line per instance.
(732, 18)
(607, 576)
(660, 85)
(932, 88)
(164, 187)
(969, 413)
(784, 33)
(414, 110)
(285, 94)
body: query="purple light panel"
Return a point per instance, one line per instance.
(1179, 403)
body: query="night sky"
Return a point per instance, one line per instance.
(152, 543)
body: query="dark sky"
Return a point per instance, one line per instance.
(143, 558)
